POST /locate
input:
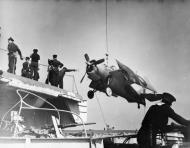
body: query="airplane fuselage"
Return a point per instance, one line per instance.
(103, 76)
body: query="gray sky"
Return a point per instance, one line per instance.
(151, 38)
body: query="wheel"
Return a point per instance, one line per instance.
(90, 94)
(108, 91)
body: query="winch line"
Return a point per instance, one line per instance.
(102, 113)
(106, 33)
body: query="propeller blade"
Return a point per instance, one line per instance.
(99, 61)
(86, 57)
(83, 78)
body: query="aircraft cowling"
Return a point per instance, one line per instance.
(93, 74)
(99, 72)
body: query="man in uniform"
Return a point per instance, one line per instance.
(34, 64)
(156, 120)
(53, 71)
(12, 55)
(25, 72)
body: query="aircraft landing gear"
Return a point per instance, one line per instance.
(108, 91)
(90, 94)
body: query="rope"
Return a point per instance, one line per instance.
(107, 47)
(102, 114)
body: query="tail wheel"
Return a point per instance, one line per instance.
(90, 94)
(108, 91)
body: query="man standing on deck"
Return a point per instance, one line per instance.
(12, 55)
(34, 64)
(53, 71)
(25, 72)
(156, 119)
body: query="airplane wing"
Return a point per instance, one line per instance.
(134, 77)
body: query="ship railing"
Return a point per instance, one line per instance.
(73, 88)
(26, 106)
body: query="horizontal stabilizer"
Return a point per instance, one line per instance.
(152, 97)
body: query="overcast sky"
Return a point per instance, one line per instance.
(151, 38)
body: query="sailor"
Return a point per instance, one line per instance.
(12, 55)
(62, 74)
(35, 58)
(156, 120)
(25, 72)
(53, 71)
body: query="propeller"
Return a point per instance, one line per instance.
(89, 64)
(83, 77)
(98, 61)
(87, 57)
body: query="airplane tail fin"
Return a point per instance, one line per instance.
(152, 97)
(130, 74)
(134, 78)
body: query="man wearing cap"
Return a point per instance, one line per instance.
(35, 58)
(53, 72)
(25, 72)
(12, 55)
(156, 119)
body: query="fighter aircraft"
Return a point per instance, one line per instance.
(115, 82)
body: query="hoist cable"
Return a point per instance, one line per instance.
(106, 33)
(102, 113)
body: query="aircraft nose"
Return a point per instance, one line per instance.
(89, 68)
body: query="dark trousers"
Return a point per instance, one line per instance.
(61, 83)
(26, 73)
(146, 137)
(12, 63)
(53, 77)
(34, 70)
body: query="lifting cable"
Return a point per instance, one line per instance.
(106, 40)
(102, 113)
(106, 33)
(107, 54)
